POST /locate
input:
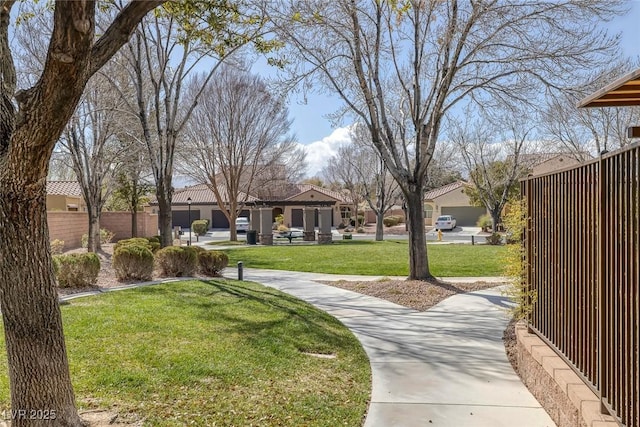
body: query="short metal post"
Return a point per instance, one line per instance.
(473, 240)
(240, 270)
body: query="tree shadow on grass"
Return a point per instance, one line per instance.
(298, 325)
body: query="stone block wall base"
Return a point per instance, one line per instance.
(266, 239)
(324, 238)
(309, 236)
(558, 389)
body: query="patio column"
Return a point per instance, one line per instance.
(266, 224)
(309, 220)
(254, 219)
(324, 220)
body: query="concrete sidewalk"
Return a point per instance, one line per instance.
(443, 367)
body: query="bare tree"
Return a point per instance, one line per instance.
(491, 153)
(90, 139)
(362, 171)
(237, 141)
(164, 52)
(133, 185)
(411, 63)
(342, 175)
(31, 122)
(584, 131)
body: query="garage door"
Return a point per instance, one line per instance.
(466, 216)
(219, 220)
(181, 218)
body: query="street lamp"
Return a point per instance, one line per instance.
(189, 204)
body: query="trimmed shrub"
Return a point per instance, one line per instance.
(391, 220)
(212, 262)
(106, 236)
(57, 246)
(77, 270)
(494, 239)
(154, 243)
(133, 262)
(176, 261)
(134, 241)
(484, 222)
(200, 227)
(283, 227)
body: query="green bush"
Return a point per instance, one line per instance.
(200, 227)
(494, 239)
(484, 222)
(77, 270)
(177, 261)
(212, 262)
(154, 243)
(391, 220)
(135, 241)
(57, 246)
(133, 262)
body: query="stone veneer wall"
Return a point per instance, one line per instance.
(566, 398)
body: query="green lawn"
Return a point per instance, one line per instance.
(214, 352)
(387, 258)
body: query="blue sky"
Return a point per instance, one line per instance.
(316, 132)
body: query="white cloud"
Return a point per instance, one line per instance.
(319, 152)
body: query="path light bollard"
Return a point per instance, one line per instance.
(240, 272)
(473, 240)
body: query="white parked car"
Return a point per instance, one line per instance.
(445, 222)
(242, 224)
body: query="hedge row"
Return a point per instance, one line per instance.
(134, 259)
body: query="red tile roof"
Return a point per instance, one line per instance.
(303, 188)
(64, 188)
(202, 194)
(437, 192)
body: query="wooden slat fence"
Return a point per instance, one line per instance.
(582, 241)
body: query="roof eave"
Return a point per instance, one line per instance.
(622, 92)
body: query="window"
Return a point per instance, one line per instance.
(428, 211)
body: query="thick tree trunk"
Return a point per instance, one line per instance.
(379, 225)
(134, 223)
(38, 367)
(93, 243)
(164, 221)
(418, 262)
(496, 218)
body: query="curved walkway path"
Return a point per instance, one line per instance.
(443, 367)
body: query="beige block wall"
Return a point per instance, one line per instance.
(67, 226)
(120, 224)
(70, 226)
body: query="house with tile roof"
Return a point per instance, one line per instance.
(285, 199)
(65, 196)
(451, 199)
